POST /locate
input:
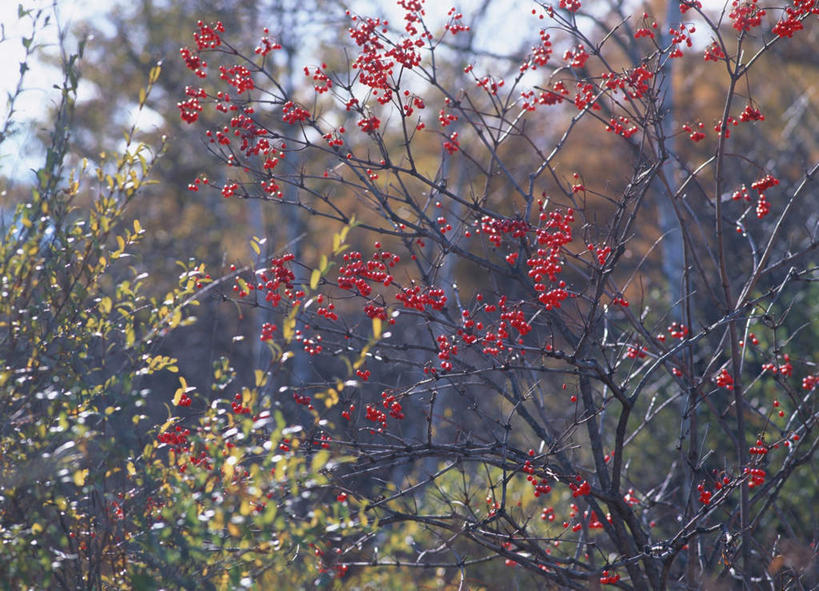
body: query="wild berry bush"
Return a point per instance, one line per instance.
(552, 322)
(78, 342)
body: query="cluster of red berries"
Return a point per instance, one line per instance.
(621, 126)
(679, 36)
(725, 380)
(356, 273)
(745, 15)
(303, 400)
(238, 77)
(238, 407)
(177, 438)
(695, 135)
(416, 298)
(551, 96)
(714, 53)
(756, 477)
(389, 401)
(576, 57)
(446, 350)
(792, 23)
(677, 330)
(760, 449)
(293, 113)
(581, 489)
(585, 97)
(321, 81)
(455, 24)
(266, 45)
(636, 352)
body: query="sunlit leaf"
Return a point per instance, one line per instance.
(80, 476)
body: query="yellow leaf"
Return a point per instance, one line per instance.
(164, 427)
(332, 398)
(217, 522)
(80, 476)
(261, 378)
(227, 470)
(182, 390)
(36, 528)
(377, 328)
(319, 460)
(255, 246)
(131, 469)
(105, 305)
(288, 328)
(137, 227)
(315, 276)
(130, 336)
(154, 75)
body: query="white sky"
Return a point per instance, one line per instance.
(15, 159)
